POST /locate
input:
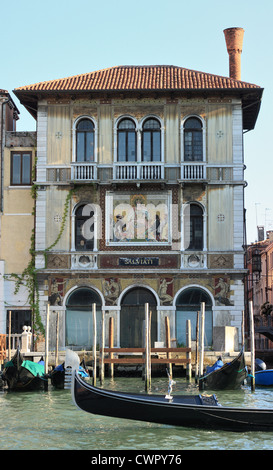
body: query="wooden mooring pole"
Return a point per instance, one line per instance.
(111, 344)
(201, 367)
(252, 345)
(168, 343)
(147, 348)
(188, 333)
(9, 337)
(57, 340)
(94, 344)
(102, 347)
(197, 347)
(46, 338)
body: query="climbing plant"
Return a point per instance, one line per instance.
(64, 218)
(28, 278)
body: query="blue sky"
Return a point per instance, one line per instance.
(60, 38)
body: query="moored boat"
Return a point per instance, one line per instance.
(72, 361)
(57, 376)
(263, 376)
(229, 376)
(24, 375)
(180, 410)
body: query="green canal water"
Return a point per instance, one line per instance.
(49, 420)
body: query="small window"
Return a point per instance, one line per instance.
(20, 168)
(196, 228)
(19, 318)
(126, 141)
(151, 141)
(193, 140)
(84, 236)
(85, 141)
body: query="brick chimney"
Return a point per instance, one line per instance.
(234, 42)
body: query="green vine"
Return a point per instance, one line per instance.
(64, 218)
(29, 275)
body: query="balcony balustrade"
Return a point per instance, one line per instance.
(83, 171)
(148, 171)
(138, 171)
(193, 171)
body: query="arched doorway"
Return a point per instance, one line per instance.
(79, 318)
(188, 303)
(132, 316)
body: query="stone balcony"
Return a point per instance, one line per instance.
(185, 172)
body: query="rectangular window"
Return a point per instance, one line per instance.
(89, 147)
(147, 157)
(121, 147)
(19, 318)
(156, 147)
(20, 168)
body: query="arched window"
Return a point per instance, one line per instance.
(84, 230)
(132, 316)
(79, 318)
(193, 140)
(196, 227)
(151, 141)
(85, 141)
(193, 222)
(187, 305)
(127, 141)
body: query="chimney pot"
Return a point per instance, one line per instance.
(234, 42)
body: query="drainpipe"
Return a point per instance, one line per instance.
(2, 152)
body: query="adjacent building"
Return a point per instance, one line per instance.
(259, 289)
(139, 198)
(16, 217)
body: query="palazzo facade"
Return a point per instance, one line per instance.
(140, 198)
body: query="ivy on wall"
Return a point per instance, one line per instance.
(28, 278)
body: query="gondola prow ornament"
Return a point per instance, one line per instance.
(170, 387)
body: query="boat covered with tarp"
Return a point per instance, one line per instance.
(57, 376)
(229, 376)
(72, 361)
(263, 376)
(20, 374)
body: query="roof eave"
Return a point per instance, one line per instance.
(251, 97)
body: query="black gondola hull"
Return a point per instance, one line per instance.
(187, 411)
(18, 378)
(57, 378)
(229, 377)
(23, 381)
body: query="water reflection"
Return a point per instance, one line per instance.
(49, 420)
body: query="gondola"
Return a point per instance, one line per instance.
(182, 410)
(57, 376)
(228, 377)
(24, 375)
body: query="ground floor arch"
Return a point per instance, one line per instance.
(188, 303)
(79, 318)
(132, 316)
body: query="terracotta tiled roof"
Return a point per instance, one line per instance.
(154, 77)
